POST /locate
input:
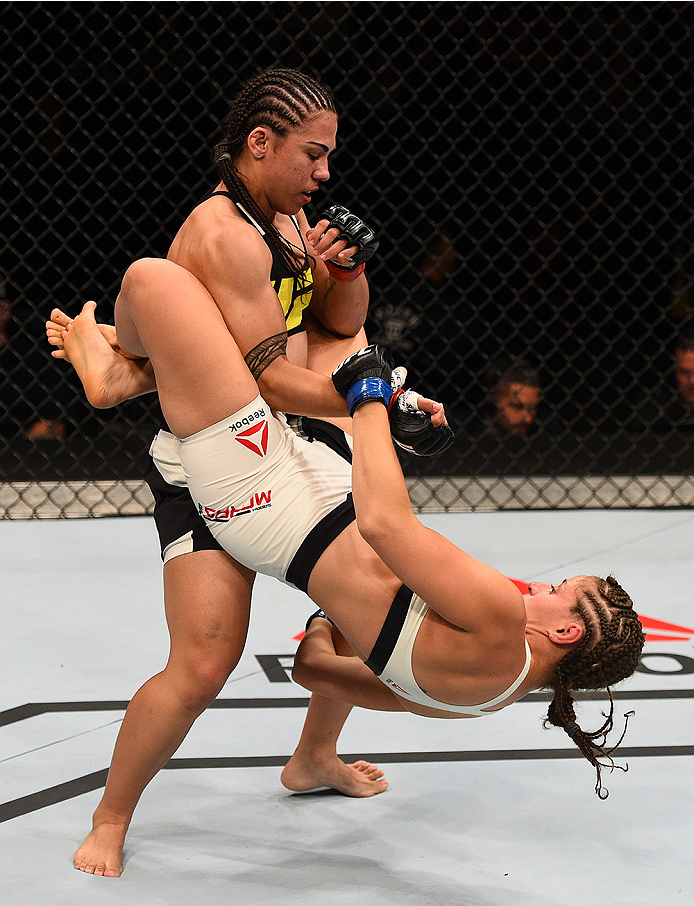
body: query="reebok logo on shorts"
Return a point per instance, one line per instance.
(255, 438)
(248, 419)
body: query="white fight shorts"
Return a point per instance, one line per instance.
(259, 487)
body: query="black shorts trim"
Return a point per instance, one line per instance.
(318, 539)
(324, 432)
(175, 515)
(390, 633)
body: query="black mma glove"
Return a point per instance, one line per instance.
(353, 231)
(413, 430)
(365, 375)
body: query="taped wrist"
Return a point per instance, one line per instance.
(343, 273)
(370, 388)
(412, 429)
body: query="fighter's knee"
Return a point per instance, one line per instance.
(204, 680)
(142, 272)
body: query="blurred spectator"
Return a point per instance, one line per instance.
(515, 404)
(5, 313)
(421, 320)
(18, 417)
(514, 396)
(671, 403)
(684, 373)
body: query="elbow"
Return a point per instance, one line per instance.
(345, 330)
(384, 526)
(345, 325)
(273, 390)
(374, 528)
(304, 672)
(301, 677)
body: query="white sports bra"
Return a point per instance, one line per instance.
(398, 675)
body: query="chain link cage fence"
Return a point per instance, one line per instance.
(527, 167)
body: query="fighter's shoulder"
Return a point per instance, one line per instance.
(220, 232)
(234, 233)
(218, 215)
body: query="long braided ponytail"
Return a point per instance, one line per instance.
(605, 655)
(280, 99)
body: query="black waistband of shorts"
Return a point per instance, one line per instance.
(390, 633)
(318, 539)
(316, 429)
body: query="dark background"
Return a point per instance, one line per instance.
(527, 167)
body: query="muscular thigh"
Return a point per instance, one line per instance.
(207, 596)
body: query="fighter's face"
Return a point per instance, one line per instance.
(297, 163)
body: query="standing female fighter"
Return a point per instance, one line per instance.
(441, 633)
(250, 245)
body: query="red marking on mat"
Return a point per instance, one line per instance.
(650, 623)
(647, 623)
(677, 632)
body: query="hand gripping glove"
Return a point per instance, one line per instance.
(354, 232)
(365, 375)
(413, 430)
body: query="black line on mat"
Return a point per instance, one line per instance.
(90, 782)
(34, 709)
(23, 712)
(53, 795)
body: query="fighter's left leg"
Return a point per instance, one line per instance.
(315, 762)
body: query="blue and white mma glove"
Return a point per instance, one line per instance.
(413, 430)
(365, 375)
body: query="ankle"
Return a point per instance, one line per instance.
(316, 753)
(103, 816)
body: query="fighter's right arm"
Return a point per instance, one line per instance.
(463, 590)
(234, 265)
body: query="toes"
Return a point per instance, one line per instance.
(371, 771)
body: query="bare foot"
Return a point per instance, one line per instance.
(107, 375)
(60, 322)
(102, 851)
(360, 779)
(55, 329)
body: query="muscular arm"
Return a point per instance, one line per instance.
(464, 591)
(233, 262)
(341, 307)
(319, 668)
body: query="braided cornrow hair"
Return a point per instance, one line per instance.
(280, 99)
(607, 653)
